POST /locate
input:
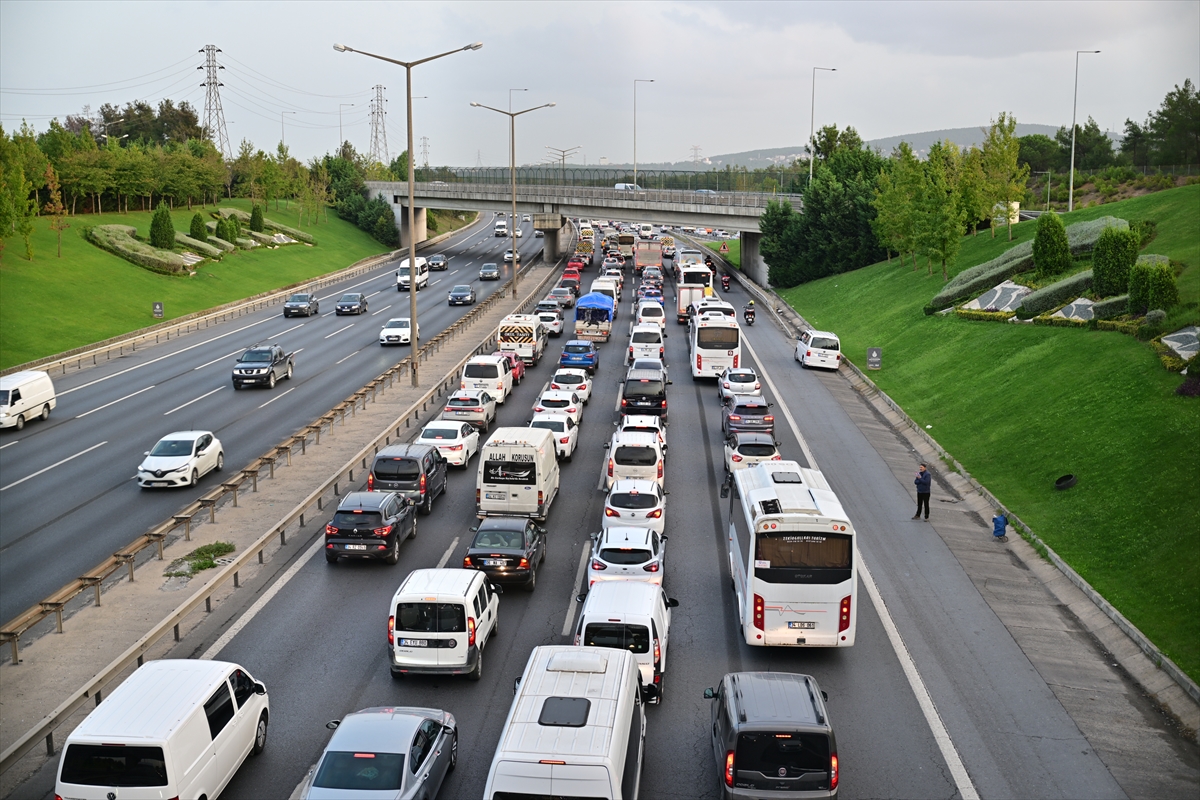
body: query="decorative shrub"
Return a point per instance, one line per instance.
(1152, 284)
(1120, 326)
(1054, 295)
(1051, 253)
(236, 226)
(203, 248)
(1112, 307)
(1112, 259)
(162, 229)
(1061, 322)
(246, 244)
(1169, 358)
(983, 316)
(1155, 316)
(198, 231)
(261, 238)
(224, 245)
(118, 240)
(256, 219)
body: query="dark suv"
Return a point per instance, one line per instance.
(370, 525)
(645, 392)
(416, 471)
(771, 736)
(301, 303)
(745, 412)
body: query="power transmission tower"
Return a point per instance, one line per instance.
(379, 149)
(214, 117)
(478, 159)
(424, 152)
(696, 153)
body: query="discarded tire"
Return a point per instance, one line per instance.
(1065, 482)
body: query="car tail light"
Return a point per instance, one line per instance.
(555, 386)
(477, 497)
(631, 351)
(759, 612)
(470, 631)
(660, 352)
(839, 358)
(651, 567)
(736, 458)
(381, 532)
(391, 630)
(541, 499)
(844, 615)
(757, 386)
(330, 530)
(735, 417)
(729, 768)
(699, 361)
(538, 409)
(807, 353)
(524, 564)
(777, 457)
(655, 514)
(610, 468)
(833, 771)
(657, 654)
(726, 384)
(611, 512)
(370, 483)
(467, 563)
(577, 640)
(454, 448)
(462, 385)
(735, 360)
(624, 402)
(499, 385)
(660, 468)
(565, 440)
(422, 484)
(597, 564)
(769, 418)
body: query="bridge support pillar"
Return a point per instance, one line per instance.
(753, 266)
(402, 223)
(556, 233)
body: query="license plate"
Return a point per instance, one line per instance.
(414, 643)
(495, 495)
(356, 547)
(804, 626)
(462, 413)
(493, 562)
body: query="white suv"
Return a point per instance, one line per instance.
(637, 456)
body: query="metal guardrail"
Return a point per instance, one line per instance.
(126, 556)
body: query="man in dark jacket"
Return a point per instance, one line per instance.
(923, 482)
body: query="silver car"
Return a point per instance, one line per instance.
(737, 380)
(395, 752)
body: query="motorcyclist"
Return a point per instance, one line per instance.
(748, 312)
(725, 282)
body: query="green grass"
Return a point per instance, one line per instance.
(200, 559)
(1021, 405)
(734, 256)
(54, 304)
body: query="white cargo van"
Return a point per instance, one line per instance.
(646, 230)
(609, 287)
(25, 395)
(523, 334)
(439, 622)
(518, 474)
(174, 728)
(576, 728)
(404, 275)
(501, 229)
(491, 374)
(645, 341)
(632, 616)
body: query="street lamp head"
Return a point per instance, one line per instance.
(475, 46)
(551, 105)
(475, 105)
(341, 48)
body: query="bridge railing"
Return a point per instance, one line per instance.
(760, 180)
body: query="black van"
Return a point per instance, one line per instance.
(416, 471)
(645, 392)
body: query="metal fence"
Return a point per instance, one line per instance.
(767, 181)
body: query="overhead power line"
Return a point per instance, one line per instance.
(214, 116)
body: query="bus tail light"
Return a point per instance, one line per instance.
(735, 360)
(844, 615)
(729, 768)
(833, 771)
(392, 630)
(470, 631)
(760, 611)
(699, 361)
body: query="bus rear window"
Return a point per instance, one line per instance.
(796, 550)
(717, 338)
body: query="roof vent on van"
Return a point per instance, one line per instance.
(786, 477)
(565, 712)
(577, 662)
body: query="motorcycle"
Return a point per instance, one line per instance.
(748, 315)
(725, 282)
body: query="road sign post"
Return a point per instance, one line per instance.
(874, 356)
(158, 310)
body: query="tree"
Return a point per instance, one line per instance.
(1051, 250)
(1113, 258)
(1176, 126)
(23, 206)
(162, 229)
(256, 218)
(941, 210)
(972, 189)
(1093, 148)
(1039, 152)
(55, 208)
(1005, 178)
(889, 206)
(779, 245)
(198, 231)
(1136, 143)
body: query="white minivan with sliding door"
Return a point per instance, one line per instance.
(25, 396)
(439, 622)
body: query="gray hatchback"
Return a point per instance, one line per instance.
(744, 412)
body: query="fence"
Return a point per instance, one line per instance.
(547, 175)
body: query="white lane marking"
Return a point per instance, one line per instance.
(262, 601)
(168, 355)
(52, 466)
(189, 402)
(339, 330)
(603, 472)
(10, 444)
(620, 395)
(360, 283)
(933, 719)
(330, 314)
(276, 397)
(352, 355)
(220, 358)
(569, 622)
(372, 294)
(289, 330)
(435, 283)
(380, 311)
(114, 402)
(449, 552)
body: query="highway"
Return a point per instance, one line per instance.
(68, 496)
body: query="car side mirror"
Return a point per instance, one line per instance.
(664, 448)
(259, 688)
(725, 490)
(148, 452)
(333, 724)
(709, 694)
(497, 589)
(666, 336)
(670, 383)
(663, 538)
(605, 445)
(770, 405)
(473, 530)
(579, 598)
(516, 684)
(824, 696)
(672, 602)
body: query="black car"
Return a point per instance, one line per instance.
(298, 304)
(438, 262)
(507, 550)
(370, 525)
(461, 295)
(489, 272)
(352, 303)
(745, 412)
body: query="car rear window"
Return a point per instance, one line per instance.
(464, 402)
(643, 387)
(481, 371)
(757, 449)
(358, 771)
(823, 343)
(651, 311)
(357, 518)
(397, 469)
(548, 318)
(113, 765)
(741, 377)
(577, 348)
(763, 759)
(440, 433)
(568, 379)
(633, 500)
(647, 337)
(511, 540)
(431, 617)
(751, 409)
(634, 638)
(555, 403)
(549, 425)
(635, 456)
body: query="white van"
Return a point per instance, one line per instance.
(491, 374)
(576, 728)
(819, 349)
(523, 334)
(645, 341)
(439, 622)
(627, 187)
(633, 616)
(651, 312)
(609, 287)
(25, 395)
(646, 231)
(518, 474)
(634, 456)
(174, 728)
(404, 276)
(501, 229)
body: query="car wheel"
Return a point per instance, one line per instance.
(331, 557)
(427, 507)
(393, 556)
(453, 752)
(568, 456)
(20, 422)
(195, 478)
(260, 735)
(412, 534)
(271, 381)
(477, 673)
(397, 676)
(532, 584)
(220, 461)
(45, 412)
(289, 372)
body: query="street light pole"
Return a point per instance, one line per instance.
(414, 336)
(636, 81)
(341, 140)
(282, 138)
(512, 170)
(510, 144)
(1074, 106)
(1047, 173)
(812, 121)
(560, 155)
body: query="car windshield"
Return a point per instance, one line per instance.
(256, 355)
(568, 379)
(481, 371)
(512, 540)
(463, 401)
(396, 323)
(824, 343)
(173, 447)
(113, 765)
(764, 758)
(635, 456)
(349, 298)
(558, 426)
(633, 500)
(298, 298)
(634, 638)
(461, 290)
(488, 267)
(397, 469)
(757, 450)
(577, 348)
(357, 518)
(439, 433)
(358, 771)
(431, 617)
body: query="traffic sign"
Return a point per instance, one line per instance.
(158, 310)
(724, 247)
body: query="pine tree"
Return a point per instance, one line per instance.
(1051, 251)
(256, 219)
(198, 231)
(162, 229)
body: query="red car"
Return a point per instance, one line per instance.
(576, 264)
(518, 366)
(571, 272)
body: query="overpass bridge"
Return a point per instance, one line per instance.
(552, 205)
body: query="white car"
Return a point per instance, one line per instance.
(650, 311)
(553, 321)
(636, 504)
(398, 330)
(627, 554)
(519, 233)
(617, 276)
(508, 256)
(568, 379)
(747, 449)
(181, 459)
(737, 380)
(554, 401)
(457, 441)
(565, 430)
(819, 349)
(649, 363)
(472, 406)
(644, 423)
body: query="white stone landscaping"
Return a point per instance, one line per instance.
(1005, 297)
(1077, 309)
(191, 258)
(1185, 342)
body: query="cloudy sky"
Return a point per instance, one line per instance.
(727, 77)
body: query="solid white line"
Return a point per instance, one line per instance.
(449, 552)
(372, 294)
(339, 330)
(281, 333)
(380, 311)
(620, 394)
(114, 402)
(276, 397)
(189, 402)
(812, 462)
(52, 466)
(220, 358)
(261, 602)
(347, 358)
(10, 444)
(435, 283)
(568, 623)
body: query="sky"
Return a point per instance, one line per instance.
(727, 77)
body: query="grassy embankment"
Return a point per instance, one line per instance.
(54, 304)
(734, 256)
(1021, 405)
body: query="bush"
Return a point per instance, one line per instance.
(203, 248)
(237, 226)
(118, 240)
(198, 231)
(162, 229)
(224, 230)
(1112, 259)
(261, 238)
(1156, 316)
(983, 316)
(1062, 322)
(1051, 253)
(245, 244)
(1112, 307)
(1152, 284)
(256, 219)
(1055, 295)
(222, 244)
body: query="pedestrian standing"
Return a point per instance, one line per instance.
(923, 481)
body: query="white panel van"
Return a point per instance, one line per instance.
(25, 395)
(439, 622)
(174, 728)
(518, 474)
(404, 275)
(632, 616)
(576, 728)
(501, 229)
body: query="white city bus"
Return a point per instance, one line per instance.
(792, 558)
(714, 343)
